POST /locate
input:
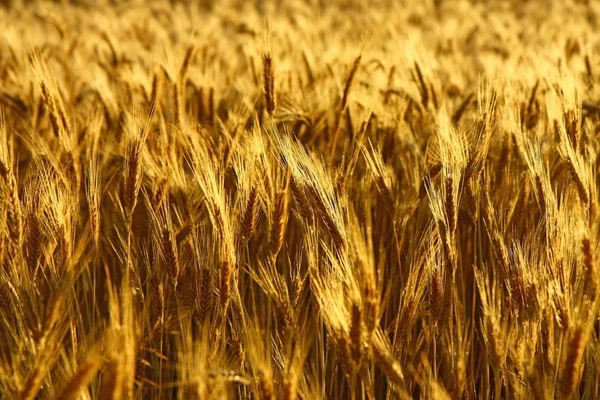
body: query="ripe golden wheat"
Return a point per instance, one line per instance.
(299, 200)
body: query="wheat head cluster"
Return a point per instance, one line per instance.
(299, 199)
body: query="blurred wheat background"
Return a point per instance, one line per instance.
(299, 200)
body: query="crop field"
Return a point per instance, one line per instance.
(300, 199)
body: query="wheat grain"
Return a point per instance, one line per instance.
(269, 82)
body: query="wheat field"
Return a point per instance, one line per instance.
(299, 199)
